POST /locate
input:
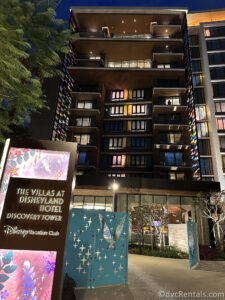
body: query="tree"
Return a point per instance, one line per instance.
(31, 41)
(214, 209)
(161, 215)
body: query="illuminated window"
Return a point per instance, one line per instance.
(117, 161)
(84, 104)
(163, 66)
(117, 95)
(221, 123)
(202, 129)
(83, 122)
(115, 143)
(197, 80)
(220, 106)
(116, 110)
(200, 113)
(83, 139)
(171, 158)
(207, 32)
(138, 109)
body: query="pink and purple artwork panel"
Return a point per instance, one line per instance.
(26, 275)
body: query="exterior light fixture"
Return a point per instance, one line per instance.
(135, 20)
(115, 186)
(123, 21)
(135, 30)
(167, 46)
(91, 52)
(124, 31)
(166, 30)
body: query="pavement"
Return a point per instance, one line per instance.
(152, 278)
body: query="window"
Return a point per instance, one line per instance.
(200, 113)
(169, 101)
(116, 110)
(172, 175)
(195, 52)
(138, 109)
(196, 66)
(220, 123)
(82, 158)
(117, 95)
(171, 158)
(83, 122)
(137, 160)
(85, 105)
(138, 94)
(222, 142)
(197, 80)
(174, 138)
(220, 106)
(219, 89)
(216, 58)
(138, 125)
(204, 147)
(163, 66)
(215, 45)
(199, 96)
(115, 143)
(202, 129)
(217, 73)
(193, 40)
(114, 126)
(206, 166)
(223, 160)
(215, 31)
(137, 142)
(117, 161)
(83, 139)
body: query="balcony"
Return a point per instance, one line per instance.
(170, 105)
(83, 127)
(170, 122)
(86, 161)
(86, 93)
(77, 110)
(165, 30)
(91, 62)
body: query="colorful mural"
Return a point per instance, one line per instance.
(26, 275)
(97, 248)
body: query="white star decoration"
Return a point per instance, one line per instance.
(85, 217)
(100, 268)
(88, 253)
(89, 221)
(83, 260)
(82, 248)
(79, 268)
(97, 253)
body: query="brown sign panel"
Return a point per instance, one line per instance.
(35, 197)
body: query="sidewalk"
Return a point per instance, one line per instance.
(150, 275)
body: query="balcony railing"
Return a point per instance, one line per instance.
(168, 50)
(146, 64)
(87, 89)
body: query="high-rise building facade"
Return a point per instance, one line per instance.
(127, 99)
(207, 43)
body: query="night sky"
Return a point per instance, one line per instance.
(193, 5)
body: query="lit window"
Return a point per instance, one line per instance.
(221, 123)
(200, 113)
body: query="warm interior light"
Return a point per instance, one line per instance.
(135, 20)
(122, 21)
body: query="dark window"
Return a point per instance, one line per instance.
(223, 160)
(169, 119)
(138, 142)
(114, 126)
(171, 158)
(193, 39)
(216, 45)
(137, 160)
(219, 89)
(222, 142)
(82, 158)
(199, 96)
(204, 147)
(216, 58)
(206, 166)
(172, 175)
(196, 66)
(217, 73)
(195, 52)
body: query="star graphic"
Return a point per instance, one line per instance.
(120, 267)
(85, 217)
(88, 253)
(79, 268)
(42, 278)
(75, 245)
(83, 259)
(113, 262)
(50, 267)
(66, 263)
(90, 246)
(97, 253)
(105, 257)
(100, 268)
(89, 221)
(82, 248)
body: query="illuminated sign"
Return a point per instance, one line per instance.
(35, 197)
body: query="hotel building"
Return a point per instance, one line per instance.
(207, 44)
(126, 98)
